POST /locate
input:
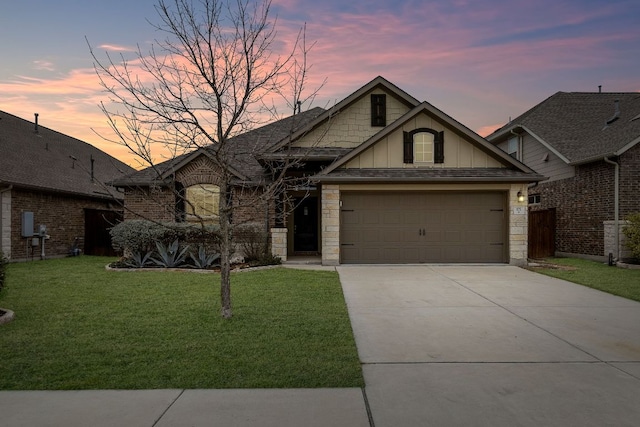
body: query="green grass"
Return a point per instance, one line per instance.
(78, 326)
(618, 281)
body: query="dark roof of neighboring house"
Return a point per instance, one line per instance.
(427, 175)
(244, 149)
(580, 126)
(47, 160)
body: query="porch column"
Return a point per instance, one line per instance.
(518, 226)
(330, 225)
(279, 243)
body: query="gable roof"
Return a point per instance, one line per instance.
(47, 160)
(458, 127)
(580, 127)
(378, 82)
(243, 149)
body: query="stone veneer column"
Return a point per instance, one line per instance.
(610, 240)
(518, 226)
(279, 243)
(330, 225)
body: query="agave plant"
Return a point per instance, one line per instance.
(138, 259)
(202, 259)
(170, 256)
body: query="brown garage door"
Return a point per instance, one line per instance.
(401, 228)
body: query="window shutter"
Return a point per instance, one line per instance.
(378, 110)
(438, 149)
(408, 147)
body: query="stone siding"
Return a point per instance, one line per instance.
(610, 241)
(330, 225)
(518, 226)
(279, 243)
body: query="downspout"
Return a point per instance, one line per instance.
(616, 214)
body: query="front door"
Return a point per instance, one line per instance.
(305, 225)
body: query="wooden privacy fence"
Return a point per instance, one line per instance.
(542, 233)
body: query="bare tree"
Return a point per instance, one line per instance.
(215, 75)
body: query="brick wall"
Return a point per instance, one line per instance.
(154, 204)
(159, 204)
(249, 206)
(63, 215)
(630, 182)
(582, 205)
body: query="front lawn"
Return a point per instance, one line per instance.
(618, 281)
(78, 326)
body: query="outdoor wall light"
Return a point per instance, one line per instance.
(520, 197)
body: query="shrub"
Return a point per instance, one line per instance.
(3, 269)
(266, 259)
(632, 232)
(139, 235)
(252, 239)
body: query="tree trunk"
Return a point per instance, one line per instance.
(225, 251)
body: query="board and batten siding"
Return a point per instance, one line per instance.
(458, 152)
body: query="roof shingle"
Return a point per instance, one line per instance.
(575, 123)
(51, 161)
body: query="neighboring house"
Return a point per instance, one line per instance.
(56, 181)
(395, 180)
(587, 144)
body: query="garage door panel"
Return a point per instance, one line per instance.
(423, 227)
(452, 237)
(370, 217)
(392, 218)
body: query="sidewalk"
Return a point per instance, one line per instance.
(163, 408)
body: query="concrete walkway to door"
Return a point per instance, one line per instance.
(492, 346)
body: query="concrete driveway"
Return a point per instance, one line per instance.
(492, 346)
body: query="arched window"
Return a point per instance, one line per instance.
(202, 202)
(423, 147)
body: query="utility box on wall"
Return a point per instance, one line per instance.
(27, 224)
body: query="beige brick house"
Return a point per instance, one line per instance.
(393, 180)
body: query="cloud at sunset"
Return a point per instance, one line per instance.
(116, 48)
(480, 62)
(41, 64)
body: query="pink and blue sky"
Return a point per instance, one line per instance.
(480, 61)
